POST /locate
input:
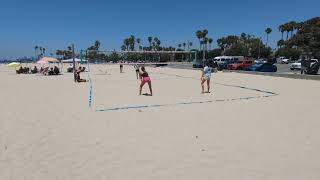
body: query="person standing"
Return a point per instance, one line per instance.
(206, 77)
(145, 79)
(121, 68)
(136, 67)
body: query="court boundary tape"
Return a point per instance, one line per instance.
(267, 94)
(179, 103)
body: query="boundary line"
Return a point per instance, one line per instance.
(268, 94)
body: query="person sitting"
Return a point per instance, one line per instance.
(45, 71)
(25, 70)
(78, 78)
(20, 70)
(34, 70)
(51, 72)
(70, 69)
(56, 70)
(41, 70)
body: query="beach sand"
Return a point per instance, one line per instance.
(48, 131)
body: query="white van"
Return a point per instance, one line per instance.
(225, 59)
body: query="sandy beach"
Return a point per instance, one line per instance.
(249, 127)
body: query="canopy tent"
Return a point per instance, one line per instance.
(71, 60)
(49, 59)
(42, 62)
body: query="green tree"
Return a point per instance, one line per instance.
(268, 31)
(307, 39)
(127, 43)
(280, 43)
(138, 42)
(156, 43)
(199, 35)
(210, 41)
(184, 46)
(282, 30)
(190, 44)
(123, 48)
(132, 41)
(150, 41)
(36, 52)
(97, 45)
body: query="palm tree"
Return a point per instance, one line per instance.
(132, 41)
(123, 48)
(280, 43)
(41, 51)
(150, 41)
(189, 45)
(97, 45)
(282, 30)
(139, 41)
(36, 51)
(292, 27)
(184, 45)
(44, 51)
(179, 45)
(156, 43)
(210, 40)
(153, 45)
(199, 35)
(205, 42)
(287, 29)
(126, 42)
(268, 31)
(205, 32)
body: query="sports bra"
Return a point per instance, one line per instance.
(145, 74)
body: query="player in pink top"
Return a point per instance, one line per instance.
(144, 76)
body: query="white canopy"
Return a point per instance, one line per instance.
(71, 60)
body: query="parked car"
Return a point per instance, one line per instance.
(310, 66)
(272, 60)
(262, 67)
(285, 61)
(223, 59)
(295, 65)
(257, 61)
(280, 59)
(240, 65)
(225, 64)
(197, 64)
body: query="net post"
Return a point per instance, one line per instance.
(81, 56)
(74, 64)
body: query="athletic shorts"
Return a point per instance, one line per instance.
(207, 77)
(146, 80)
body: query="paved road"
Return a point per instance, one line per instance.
(283, 71)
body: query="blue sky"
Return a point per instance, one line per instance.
(55, 24)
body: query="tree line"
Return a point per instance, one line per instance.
(297, 39)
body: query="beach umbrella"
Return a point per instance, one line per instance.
(13, 64)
